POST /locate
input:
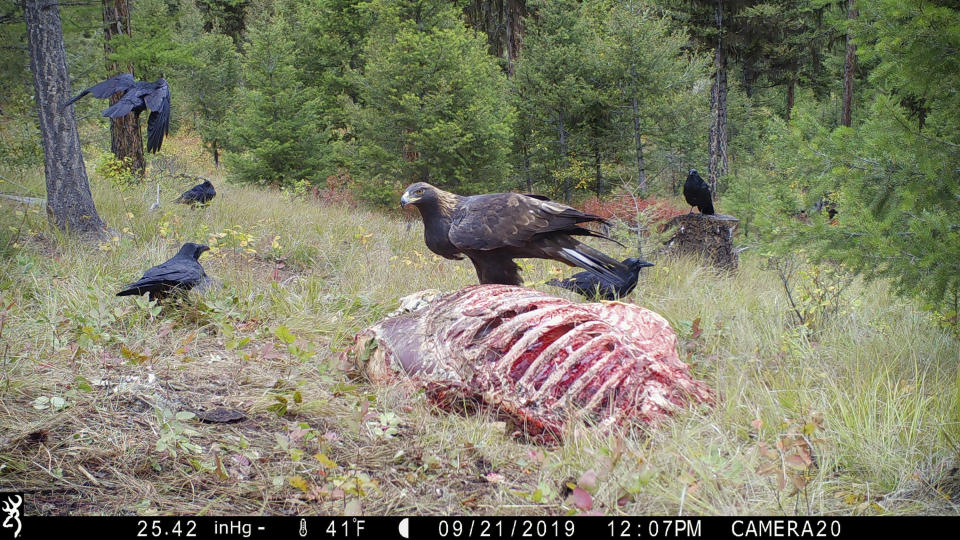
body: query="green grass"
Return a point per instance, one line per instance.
(880, 373)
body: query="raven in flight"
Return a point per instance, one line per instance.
(591, 287)
(200, 194)
(697, 193)
(183, 271)
(137, 96)
(493, 229)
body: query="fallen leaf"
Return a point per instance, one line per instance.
(588, 481)
(581, 499)
(493, 478)
(298, 482)
(353, 508)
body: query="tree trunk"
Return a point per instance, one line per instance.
(849, 66)
(125, 140)
(69, 203)
(216, 156)
(791, 88)
(718, 105)
(525, 152)
(641, 168)
(597, 163)
(563, 158)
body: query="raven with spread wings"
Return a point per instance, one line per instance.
(493, 229)
(137, 96)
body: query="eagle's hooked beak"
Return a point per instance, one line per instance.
(407, 199)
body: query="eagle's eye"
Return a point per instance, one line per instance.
(418, 192)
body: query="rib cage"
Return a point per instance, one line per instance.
(538, 359)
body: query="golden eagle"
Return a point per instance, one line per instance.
(495, 228)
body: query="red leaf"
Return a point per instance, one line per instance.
(581, 499)
(588, 480)
(696, 329)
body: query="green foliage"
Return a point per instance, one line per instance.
(892, 182)
(555, 79)
(274, 130)
(226, 15)
(115, 171)
(153, 49)
(214, 78)
(432, 104)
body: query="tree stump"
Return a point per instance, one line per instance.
(709, 236)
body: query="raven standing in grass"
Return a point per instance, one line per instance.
(697, 193)
(137, 96)
(592, 287)
(182, 272)
(493, 229)
(200, 194)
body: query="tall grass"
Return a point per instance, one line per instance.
(882, 376)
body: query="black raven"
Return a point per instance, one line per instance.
(137, 96)
(200, 194)
(697, 193)
(496, 228)
(183, 271)
(590, 286)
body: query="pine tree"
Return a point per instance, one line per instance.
(659, 82)
(559, 83)
(210, 79)
(433, 104)
(274, 130)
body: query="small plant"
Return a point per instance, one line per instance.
(792, 459)
(298, 189)
(384, 426)
(118, 172)
(175, 434)
(231, 239)
(821, 287)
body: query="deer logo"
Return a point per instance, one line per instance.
(13, 513)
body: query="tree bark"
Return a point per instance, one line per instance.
(125, 140)
(718, 105)
(641, 168)
(563, 157)
(69, 202)
(598, 165)
(849, 66)
(791, 89)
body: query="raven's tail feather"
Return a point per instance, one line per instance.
(74, 98)
(592, 261)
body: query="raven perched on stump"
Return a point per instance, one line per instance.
(495, 228)
(590, 286)
(200, 194)
(137, 96)
(183, 272)
(697, 193)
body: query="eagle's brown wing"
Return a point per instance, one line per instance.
(498, 220)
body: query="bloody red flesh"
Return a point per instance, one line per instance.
(538, 359)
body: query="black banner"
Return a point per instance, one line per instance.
(452, 528)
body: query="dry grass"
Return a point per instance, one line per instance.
(881, 375)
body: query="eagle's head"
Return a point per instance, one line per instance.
(427, 197)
